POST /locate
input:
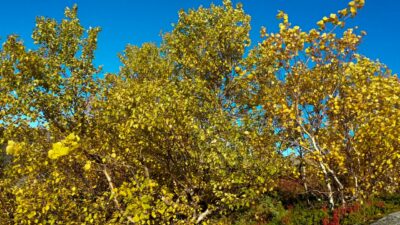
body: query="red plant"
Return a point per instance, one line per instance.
(353, 208)
(325, 221)
(380, 204)
(335, 218)
(340, 213)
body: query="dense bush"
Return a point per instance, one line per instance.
(201, 129)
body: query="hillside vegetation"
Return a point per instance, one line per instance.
(202, 129)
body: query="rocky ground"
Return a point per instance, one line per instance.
(391, 219)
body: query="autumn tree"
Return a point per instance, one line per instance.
(153, 144)
(172, 122)
(45, 99)
(320, 98)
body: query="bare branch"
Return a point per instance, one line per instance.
(111, 185)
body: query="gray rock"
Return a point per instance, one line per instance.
(391, 219)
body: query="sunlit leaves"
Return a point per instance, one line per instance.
(194, 129)
(13, 148)
(64, 147)
(209, 42)
(321, 99)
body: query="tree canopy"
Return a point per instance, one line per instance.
(196, 129)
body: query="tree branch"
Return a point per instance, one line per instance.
(111, 185)
(203, 215)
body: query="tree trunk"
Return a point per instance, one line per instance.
(329, 186)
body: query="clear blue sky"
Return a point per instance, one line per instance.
(139, 21)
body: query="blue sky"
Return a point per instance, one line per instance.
(136, 21)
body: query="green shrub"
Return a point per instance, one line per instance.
(301, 215)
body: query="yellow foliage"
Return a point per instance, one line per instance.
(13, 148)
(64, 147)
(87, 165)
(194, 123)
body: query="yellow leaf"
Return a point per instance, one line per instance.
(321, 24)
(87, 165)
(353, 11)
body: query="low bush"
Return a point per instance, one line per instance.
(271, 210)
